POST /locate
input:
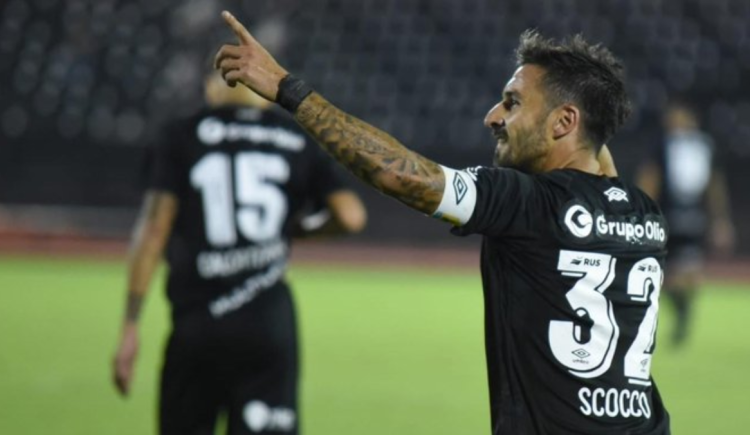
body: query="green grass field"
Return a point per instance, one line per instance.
(385, 352)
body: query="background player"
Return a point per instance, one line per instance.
(226, 190)
(572, 260)
(685, 177)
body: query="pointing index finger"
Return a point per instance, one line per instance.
(242, 34)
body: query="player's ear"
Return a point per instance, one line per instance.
(566, 119)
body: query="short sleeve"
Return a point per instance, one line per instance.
(165, 169)
(504, 205)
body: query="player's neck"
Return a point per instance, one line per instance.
(581, 159)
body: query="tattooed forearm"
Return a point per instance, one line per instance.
(373, 155)
(133, 308)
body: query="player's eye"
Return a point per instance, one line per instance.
(510, 103)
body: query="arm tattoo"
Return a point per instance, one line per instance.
(133, 309)
(372, 155)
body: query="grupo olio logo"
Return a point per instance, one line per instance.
(211, 131)
(579, 221)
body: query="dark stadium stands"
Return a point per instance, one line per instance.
(89, 81)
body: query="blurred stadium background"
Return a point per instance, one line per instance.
(86, 84)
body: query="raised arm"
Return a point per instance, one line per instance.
(370, 154)
(373, 155)
(147, 247)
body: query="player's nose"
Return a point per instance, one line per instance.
(494, 116)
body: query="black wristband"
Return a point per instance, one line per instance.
(292, 91)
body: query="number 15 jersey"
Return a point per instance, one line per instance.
(242, 176)
(572, 266)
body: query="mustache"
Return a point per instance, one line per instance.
(500, 133)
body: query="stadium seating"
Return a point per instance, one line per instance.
(104, 74)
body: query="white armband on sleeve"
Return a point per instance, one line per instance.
(459, 197)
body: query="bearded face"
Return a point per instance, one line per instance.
(522, 147)
(519, 121)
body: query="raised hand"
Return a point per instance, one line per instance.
(248, 62)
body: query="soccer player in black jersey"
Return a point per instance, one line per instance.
(226, 190)
(572, 259)
(685, 176)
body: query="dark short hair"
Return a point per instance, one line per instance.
(588, 76)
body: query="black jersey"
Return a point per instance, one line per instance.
(241, 176)
(572, 268)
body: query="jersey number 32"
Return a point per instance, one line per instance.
(587, 346)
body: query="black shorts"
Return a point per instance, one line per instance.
(244, 364)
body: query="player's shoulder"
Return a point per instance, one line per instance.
(624, 194)
(494, 173)
(569, 177)
(565, 184)
(562, 179)
(597, 188)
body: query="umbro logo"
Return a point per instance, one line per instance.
(616, 194)
(460, 188)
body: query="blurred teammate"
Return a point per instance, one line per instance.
(685, 178)
(225, 191)
(572, 259)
